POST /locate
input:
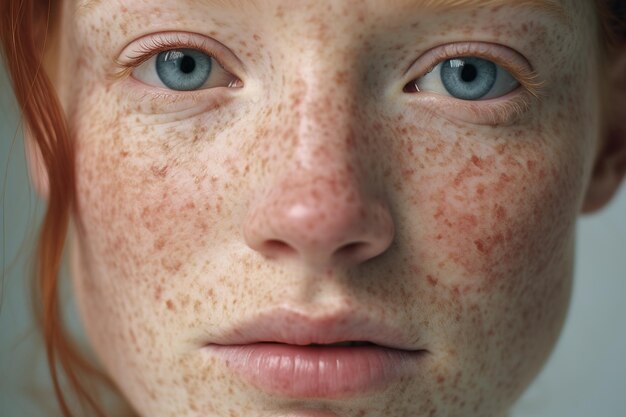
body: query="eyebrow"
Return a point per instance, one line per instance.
(550, 7)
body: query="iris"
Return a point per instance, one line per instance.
(468, 78)
(183, 69)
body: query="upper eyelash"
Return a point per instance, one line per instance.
(527, 77)
(147, 48)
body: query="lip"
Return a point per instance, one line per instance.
(270, 353)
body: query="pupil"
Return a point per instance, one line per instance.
(187, 64)
(468, 74)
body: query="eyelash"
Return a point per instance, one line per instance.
(147, 48)
(497, 110)
(525, 76)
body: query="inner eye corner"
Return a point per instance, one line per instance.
(411, 87)
(236, 82)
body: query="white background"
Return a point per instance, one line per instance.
(585, 377)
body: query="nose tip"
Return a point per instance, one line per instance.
(319, 224)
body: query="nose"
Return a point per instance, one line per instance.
(322, 221)
(320, 204)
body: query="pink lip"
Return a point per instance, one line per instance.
(270, 352)
(315, 371)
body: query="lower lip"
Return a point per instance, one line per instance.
(317, 372)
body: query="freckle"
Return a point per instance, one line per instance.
(456, 291)
(159, 171)
(210, 293)
(500, 212)
(408, 173)
(476, 161)
(432, 280)
(170, 305)
(157, 293)
(159, 243)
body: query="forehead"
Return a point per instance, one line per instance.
(553, 8)
(349, 23)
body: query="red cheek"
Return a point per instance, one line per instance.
(481, 218)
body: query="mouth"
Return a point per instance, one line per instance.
(338, 344)
(306, 355)
(348, 344)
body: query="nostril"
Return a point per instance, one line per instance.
(350, 250)
(319, 224)
(275, 247)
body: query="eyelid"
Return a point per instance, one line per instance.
(141, 50)
(507, 58)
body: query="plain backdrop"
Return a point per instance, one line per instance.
(585, 376)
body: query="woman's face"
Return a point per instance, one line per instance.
(315, 172)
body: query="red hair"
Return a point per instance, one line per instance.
(23, 47)
(23, 50)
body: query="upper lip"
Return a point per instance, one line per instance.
(296, 328)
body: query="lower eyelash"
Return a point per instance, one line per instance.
(504, 112)
(162, 102)
(495, 112)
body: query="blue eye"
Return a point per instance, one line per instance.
(183, 69)
(468, 78)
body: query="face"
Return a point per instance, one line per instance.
(338, 164)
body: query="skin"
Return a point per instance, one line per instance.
(467, 223)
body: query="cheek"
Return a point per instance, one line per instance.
(150, 211)
(496, 213)
(152, 231)
(482, 207)
(504, 204)
(150, 186)
(489, 223)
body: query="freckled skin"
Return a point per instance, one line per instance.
(462, 232)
